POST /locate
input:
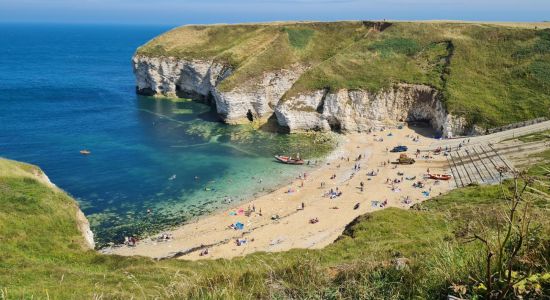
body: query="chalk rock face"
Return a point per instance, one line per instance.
(172, 77)
(85, 230)
(360, 110)
(262, 96)
(255, 99)
(201, 78)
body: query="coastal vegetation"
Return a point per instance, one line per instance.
(492, 74)
(390, 254)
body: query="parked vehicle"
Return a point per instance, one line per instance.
(399, 149)
(405, 160)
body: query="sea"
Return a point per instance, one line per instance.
(154, 163)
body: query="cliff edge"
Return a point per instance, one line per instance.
(42, 196)
(354, 76)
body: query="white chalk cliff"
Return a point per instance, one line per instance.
(260, 98)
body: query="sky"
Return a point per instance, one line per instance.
(176, 12)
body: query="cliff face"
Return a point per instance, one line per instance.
(360, 110)
(343, 110)
(200, 79)
(81, 221)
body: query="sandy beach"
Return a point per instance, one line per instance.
(277, 222)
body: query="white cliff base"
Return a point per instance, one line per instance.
(260, 98)
(361, 110)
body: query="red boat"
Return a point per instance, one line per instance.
(439, 176)
(289, 160)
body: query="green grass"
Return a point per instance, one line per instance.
(42, 254)
(396, 46)
(491, 74)
(536, 137)
(299, 38)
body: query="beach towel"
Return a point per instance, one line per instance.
(232, 213)
(426, 194)
(239, 226)
(374, 203)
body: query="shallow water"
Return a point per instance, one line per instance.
(68, 88)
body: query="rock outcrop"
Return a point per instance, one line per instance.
(260, 98)
(360, 110)
(84, 227)
(200, 79)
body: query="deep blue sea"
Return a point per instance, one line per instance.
(64, 88)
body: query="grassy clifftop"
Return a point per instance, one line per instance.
(492, 74)
(42, 253)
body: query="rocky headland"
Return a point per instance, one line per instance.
(354, 76)
(343, 110)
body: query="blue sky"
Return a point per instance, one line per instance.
(174, 12)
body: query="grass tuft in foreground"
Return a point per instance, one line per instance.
(389, 254)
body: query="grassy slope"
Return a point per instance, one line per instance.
(497, 74)
(536, 137)
(41, 254)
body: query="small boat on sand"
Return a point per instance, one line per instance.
(85, 152)
(439, 176)
(289, 160)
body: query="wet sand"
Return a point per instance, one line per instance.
(293, 228)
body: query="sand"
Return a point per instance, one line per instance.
(293, 228)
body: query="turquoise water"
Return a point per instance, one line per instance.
(67, 88)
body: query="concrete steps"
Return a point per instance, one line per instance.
(477, 164)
